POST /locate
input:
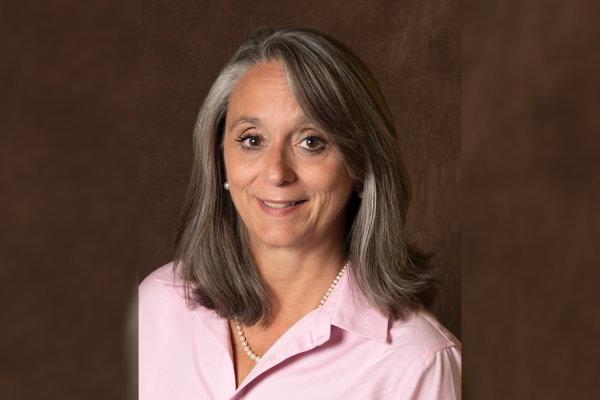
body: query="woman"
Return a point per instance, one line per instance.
(292, 276)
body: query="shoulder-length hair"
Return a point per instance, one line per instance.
(335, 88)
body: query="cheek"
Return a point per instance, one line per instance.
(239, 171)
(241, 176)
(335, 187)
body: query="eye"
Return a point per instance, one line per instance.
(249, 142)
(313, 144)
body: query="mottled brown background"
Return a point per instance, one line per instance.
(68, 236)
(96, 111)
(530, 200)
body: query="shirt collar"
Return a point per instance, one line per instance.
(353, 312)
(346, 308)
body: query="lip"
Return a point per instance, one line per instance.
(279, 211)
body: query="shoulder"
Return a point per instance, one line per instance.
(422, 331)
(158, 289)
(419, 336)
(433, 354)
(162, 275)
(160, 299)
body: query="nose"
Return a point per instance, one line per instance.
(278, 169)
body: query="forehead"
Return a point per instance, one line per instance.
(271, 73)
(263, 92)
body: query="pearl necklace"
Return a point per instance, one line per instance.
(246, 346)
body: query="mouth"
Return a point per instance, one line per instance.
(280, 208)
(281, 204)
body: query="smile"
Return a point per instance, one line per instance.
(283, 207)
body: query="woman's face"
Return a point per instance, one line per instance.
(287, 181)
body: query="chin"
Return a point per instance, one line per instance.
(280, 238)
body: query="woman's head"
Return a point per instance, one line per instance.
(288, 183)
(285, 95)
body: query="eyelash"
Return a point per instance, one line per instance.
(246, 136)
(243, 138)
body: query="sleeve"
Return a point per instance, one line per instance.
(152, 332)
(437, 378)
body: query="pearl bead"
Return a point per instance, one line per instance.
(246, 346)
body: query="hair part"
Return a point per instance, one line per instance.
(336, 89)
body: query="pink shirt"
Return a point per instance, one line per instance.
(344, 350)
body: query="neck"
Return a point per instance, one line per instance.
(298, 278)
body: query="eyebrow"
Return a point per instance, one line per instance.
(245, 118)
(300, 120)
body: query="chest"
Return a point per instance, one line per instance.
(259, 341)
(196, 364)
(329, 371)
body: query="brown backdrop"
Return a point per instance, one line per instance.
(531, 196)
(68, 233)
(412, 47)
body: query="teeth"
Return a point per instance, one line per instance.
(280, 206)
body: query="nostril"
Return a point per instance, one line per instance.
(279, 177)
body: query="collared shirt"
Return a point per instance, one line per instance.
(343, 350)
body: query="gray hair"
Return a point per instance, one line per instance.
(335, 88)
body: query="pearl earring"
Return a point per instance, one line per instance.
(226, 185)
